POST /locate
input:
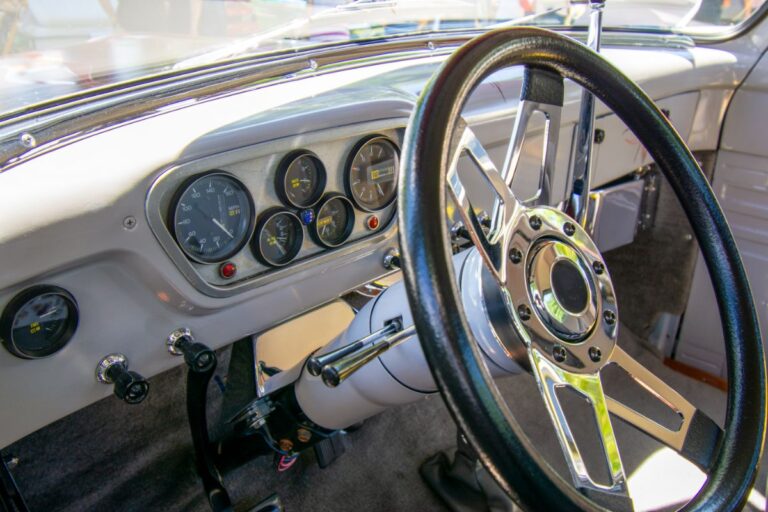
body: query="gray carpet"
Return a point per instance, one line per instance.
(115, 457)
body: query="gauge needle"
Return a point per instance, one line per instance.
(221, 227)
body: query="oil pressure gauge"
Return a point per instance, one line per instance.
(38, 322)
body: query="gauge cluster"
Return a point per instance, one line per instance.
(247, 216)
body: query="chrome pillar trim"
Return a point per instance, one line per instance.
(525, 111)
(580, 175)
(549, 378)
(506, 209)
(663, 392)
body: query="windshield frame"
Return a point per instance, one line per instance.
(69, 115)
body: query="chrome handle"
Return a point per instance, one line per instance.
(315, 363)
(335, 374)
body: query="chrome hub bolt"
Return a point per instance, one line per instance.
(535, 223)
(595, 354)
(609, 316)
(515, 256)
(524, 312)
(598, 267)
(559, 353)
(569, 229)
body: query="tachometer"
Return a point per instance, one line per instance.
(279, 235)
(334, 220)
(372, 173)
(212, 217)
(300, 179)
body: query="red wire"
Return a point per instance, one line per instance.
(286, 462)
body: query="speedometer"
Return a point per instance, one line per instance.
(372, 173)
(212, 217)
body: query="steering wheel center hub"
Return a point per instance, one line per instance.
(561, 289)
(558, 298)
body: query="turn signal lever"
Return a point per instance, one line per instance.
(337, 366)
(130, 387)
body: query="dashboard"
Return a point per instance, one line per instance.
(117, 239)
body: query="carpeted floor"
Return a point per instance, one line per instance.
(114, 457)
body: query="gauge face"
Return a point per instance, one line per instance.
(39, 322)
(372, 174)
(212, 218)
(279, 235)
(334, 221)
(300, 179)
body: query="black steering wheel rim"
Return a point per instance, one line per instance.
(449, 346)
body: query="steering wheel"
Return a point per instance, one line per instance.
(556, 300)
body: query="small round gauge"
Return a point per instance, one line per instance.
(372, 173)
(334, 220)
(38, 321)
(212, 217)
(279, 236)
(300, 179)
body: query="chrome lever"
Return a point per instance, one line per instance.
(315, 364)
(336, 373)
(577, 204)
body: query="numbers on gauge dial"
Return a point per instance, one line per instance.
(212, 218)
(280, 236)
(334, 221)
(300, 179)
(372, 174)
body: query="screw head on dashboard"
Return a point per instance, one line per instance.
(28, 140)
(129, 222)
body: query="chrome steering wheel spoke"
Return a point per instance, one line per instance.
(525, 110)
(697, 437)
(550, 377)
(492, 246)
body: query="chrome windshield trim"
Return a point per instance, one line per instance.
(67, 119)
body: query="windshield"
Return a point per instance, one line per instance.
(52, 48)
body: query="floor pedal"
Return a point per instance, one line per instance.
(330, 449)
(271, 504)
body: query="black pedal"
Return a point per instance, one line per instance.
(330, 449)
(271, 504)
